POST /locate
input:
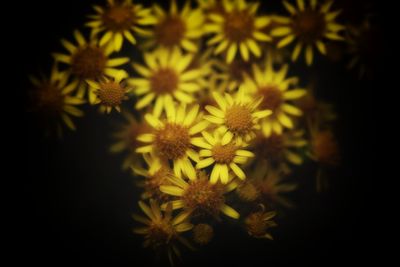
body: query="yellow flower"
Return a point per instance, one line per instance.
(309, 26)
(237, 29)
(125, 138)
(173, 138)
(161, 230)
(237, 117)
(274, 88)
(280, 149)
(119, 20)
(199, 196)
(52, 100)
(176, 29)
(156, 174)
(109, 93)
(88, 60)
(166, 77)
(223, 153)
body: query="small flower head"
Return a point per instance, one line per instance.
(203, 233)
(257, 223)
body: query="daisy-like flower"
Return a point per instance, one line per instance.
(166, 77)
(53, 102)
(176, 29)
(155, 175)
(280, 149)
(309, 25)
(222, 152)
(109, 93)
(126, 138)
(237, 117)
(161, 230)
(237, 29)
(119, 20)
(274, 88)
(88, 60)
(257, 223)
(199, 196)
(172, 139)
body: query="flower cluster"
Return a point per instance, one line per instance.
(216, 121)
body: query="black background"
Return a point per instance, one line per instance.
(74, 203)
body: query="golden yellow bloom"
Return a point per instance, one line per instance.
(222, 152)
(173, 138)
(203, 233)
(309, 26)
(119, 20)
(237, 29)
(52, 100)
(280, 149)
(199, 196)
(257, 223)
(166, 77)
(176, 29)
(109, 93)
(125, 138)
(161, 230)
(237, 117)
(88, 60)
(275, 89)
(155, 175)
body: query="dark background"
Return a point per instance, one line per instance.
(74, 203)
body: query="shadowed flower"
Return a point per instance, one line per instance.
(52, 100)
(119, 20)
(309, 26)
(257, 223)
(161, 230)
(203, 233)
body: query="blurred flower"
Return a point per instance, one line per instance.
(203, 233)
(257, 223)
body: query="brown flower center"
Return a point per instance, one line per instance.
(238, 26)
(119, 18)
(111, 94)
(88, 62)
(172, 141)
(203, 233)
(164, 81)
(237, 68)
(160, 232)
(238, 119)
(153, 183)
(224, 154)
(309, 25)
(272, 147)
(203, 197)
(170, 31)
(272, 97)
(325, 148)
(49, 100)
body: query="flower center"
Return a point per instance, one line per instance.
(224, 154)
(309, 25)
(170, 31)
(272, 147)
(238, 119)
(237, 68)
(160, 232)
(238, 26)
(164, 81)
(203, 233)
(172, 141)
(111, 94)
(272, 97)
(203, 197)
(248, 192)
(119, 18)
(88, 62)
(325, 148)
(50, 100)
